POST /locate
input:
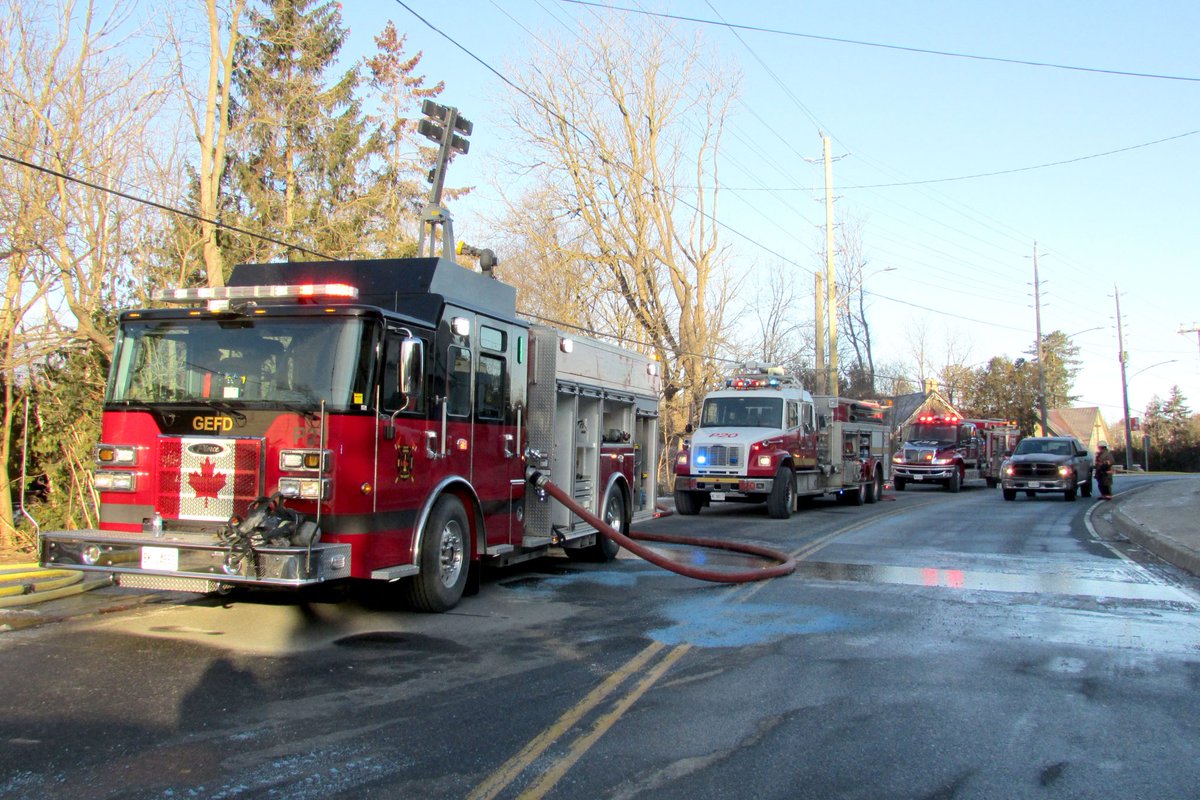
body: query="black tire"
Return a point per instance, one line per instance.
(856, 496)
(782, 499)
(1085, 488)
(900, 483)
(688, 504)
(1010, 494)
(604, 549)
(954, 482)
(445, 559)
(876, 492)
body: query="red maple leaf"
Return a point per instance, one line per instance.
(207, 482)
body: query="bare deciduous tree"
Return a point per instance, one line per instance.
(621, 132)
(71, 106)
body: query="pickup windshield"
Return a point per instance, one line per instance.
(1054, 447)
(268, 361)
(742, 412)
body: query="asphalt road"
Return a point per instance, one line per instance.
(929, 646)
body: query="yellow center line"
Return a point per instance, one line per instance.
(584, 743)
(508, 772)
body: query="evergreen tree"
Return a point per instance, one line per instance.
(301, 171)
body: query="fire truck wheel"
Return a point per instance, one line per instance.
(899, 483)
(875, 493)
(605, 549)
(1010, 494)
(955, 481)
(782, 499)
(688, 504)
(445, 559)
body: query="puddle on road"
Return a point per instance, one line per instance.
(1039, 583)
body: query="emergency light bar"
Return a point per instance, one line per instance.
(219, 294)
(936, 420)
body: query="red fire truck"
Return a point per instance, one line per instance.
(764, 438)
(948, 450)
(369, 419)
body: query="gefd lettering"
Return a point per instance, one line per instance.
(212, 424)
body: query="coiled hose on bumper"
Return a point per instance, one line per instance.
(783, 563)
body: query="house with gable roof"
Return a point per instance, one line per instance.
(1086, 424)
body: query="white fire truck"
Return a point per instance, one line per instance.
(357, 419)
(764, 438)
(948, 450)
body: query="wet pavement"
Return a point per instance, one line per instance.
(1161, 515)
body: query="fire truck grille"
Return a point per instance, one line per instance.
(1035, 471)
(207, 478)
(913, 455)
(718, 455)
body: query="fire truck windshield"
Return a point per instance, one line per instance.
(747, 412)
(942, 434)
(291, 360)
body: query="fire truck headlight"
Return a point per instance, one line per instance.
(942, 460)
(304, 488)
(304, 460)
(897, 457)
(764, 460)
(112, 481)
(108, 454)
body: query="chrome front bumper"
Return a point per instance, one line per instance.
(192, 561)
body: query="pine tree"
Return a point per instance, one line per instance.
(301, 170)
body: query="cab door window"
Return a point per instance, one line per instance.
(458, 382)
(489, 387)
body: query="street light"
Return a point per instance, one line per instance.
(1152, 366)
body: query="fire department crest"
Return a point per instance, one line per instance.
(404, 462)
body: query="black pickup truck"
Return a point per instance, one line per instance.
(1047, 464)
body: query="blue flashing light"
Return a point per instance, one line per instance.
(700, 459)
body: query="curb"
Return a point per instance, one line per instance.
(1164, 546)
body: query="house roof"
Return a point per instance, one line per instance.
(906, 407)
(1082, 423)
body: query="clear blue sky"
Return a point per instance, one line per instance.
(1129, 219)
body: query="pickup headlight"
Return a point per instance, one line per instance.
(1065, 471)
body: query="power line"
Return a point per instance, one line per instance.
(903, 48)
(159, 206)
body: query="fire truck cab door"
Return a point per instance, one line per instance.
(485, 393)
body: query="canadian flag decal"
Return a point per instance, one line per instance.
(207, 478)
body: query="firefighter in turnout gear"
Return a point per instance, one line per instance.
(1104, 469)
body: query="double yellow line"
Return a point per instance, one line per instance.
(652, 662)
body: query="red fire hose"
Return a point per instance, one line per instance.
(784, 565)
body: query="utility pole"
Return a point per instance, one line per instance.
(819, 361)
(1037, 314)
(831, 307)
(1123, 356)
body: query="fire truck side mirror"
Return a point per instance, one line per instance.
(412, 363)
